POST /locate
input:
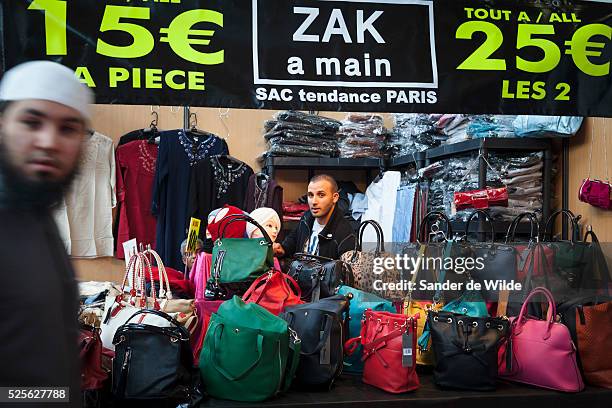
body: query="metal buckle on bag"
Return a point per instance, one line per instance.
(293, 335)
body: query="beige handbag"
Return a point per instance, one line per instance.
(362, 263)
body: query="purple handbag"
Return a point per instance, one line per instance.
(596, 192)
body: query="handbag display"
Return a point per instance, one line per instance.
(238, 262)
(389, 344)
(362, 263)
(499, 260)
(596, 192)
(249, 354)
(274, 291)
(466, 349)
(205, 309)
(317, 276)
(322, 327)
(360, 302)
(540, 352)
(589, 320)
(151, 362)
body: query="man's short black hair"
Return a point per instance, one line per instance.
(326, 177)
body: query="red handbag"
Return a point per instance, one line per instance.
(482, 198)
(389, 350)
(92, 355)
(205, 309)
(273, 291)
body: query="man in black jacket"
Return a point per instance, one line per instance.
(323, 230)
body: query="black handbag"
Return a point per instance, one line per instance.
(319, 277)
(152, 363)
(322, 327)
(465, 349)
(499, 260)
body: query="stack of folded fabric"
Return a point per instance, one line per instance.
(362, 135)
(491, 126)
(413, 132)
(293, 211)
(453, 127)
(293, 133)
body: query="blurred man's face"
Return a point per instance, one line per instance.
(41, 141)
(321, 198)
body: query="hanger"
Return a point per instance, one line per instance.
(154, 137)
(193, 127)
(222, 116)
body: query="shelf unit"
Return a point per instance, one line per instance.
(421, 159)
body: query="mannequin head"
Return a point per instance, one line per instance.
(268, 219)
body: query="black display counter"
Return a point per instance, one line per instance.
(349, 391)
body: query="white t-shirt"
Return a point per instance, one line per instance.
(312, 245)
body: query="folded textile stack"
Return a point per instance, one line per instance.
(491, 126)
(520, 173)
(543, 126)
(413, 132)
(294, 133)
(293, 211)
(453, 127)
(362, 135)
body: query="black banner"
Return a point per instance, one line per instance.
(548, 57)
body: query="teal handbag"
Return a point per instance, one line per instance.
(470, 303)
(249, 354)
(238, 262)
(360, 302)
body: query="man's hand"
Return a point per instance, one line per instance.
(278, 249)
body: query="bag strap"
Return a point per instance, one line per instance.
(295, 348)
(533, 221)
(380, 240)
(300, 255)
(600, 258)
(550, 314)
(216, 337)
(163, 275)
(408, 300)
(591, 151)
(447, 252)
(184, 332)
(440, 215)
(326, 333)
(573, 220)
(487, 218)
(250, 220)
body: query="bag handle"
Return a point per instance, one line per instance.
(250, 220)
(380, 240)
(487, 218)
(567, 213)
(326, 333)
(268, 276)
(440, 215)
(533, 220)
(313, 257)
(163, 275)
(600, 259)
(550, 314)
(216, 338)
(164, 316)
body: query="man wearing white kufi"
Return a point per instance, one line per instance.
(44, 120)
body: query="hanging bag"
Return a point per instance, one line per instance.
(317, 276)
(596, 192)
(540, 352)
(389, 344)
(274, 291)
(238, 262)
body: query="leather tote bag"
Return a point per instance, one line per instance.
(360, 302)
(93, 373)
(540, 352)
(322, 327)
(152, 362)
(274, 291)
(317, 276)
(466, 349)
(249, 354)
(237, 262)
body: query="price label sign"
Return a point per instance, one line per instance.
(192, 236)
(547, 57)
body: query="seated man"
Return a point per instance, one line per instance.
(323, 230)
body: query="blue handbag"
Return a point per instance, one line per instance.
(470, 303)
(360, 302)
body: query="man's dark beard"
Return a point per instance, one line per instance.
(21, 192)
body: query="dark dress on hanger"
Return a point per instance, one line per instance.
(178, 152)
(215, 182)
(263, 191)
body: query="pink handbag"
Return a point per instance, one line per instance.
(540, 352)
(595, 192)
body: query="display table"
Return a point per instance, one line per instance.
(349, 391)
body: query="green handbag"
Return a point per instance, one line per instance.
(238, 262)
(249, 354)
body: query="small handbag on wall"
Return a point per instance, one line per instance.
(540, 352)
(595, 192)
(274, 291)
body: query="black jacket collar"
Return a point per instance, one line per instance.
(330, 227)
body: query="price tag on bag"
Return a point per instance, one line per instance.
(407, 349)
